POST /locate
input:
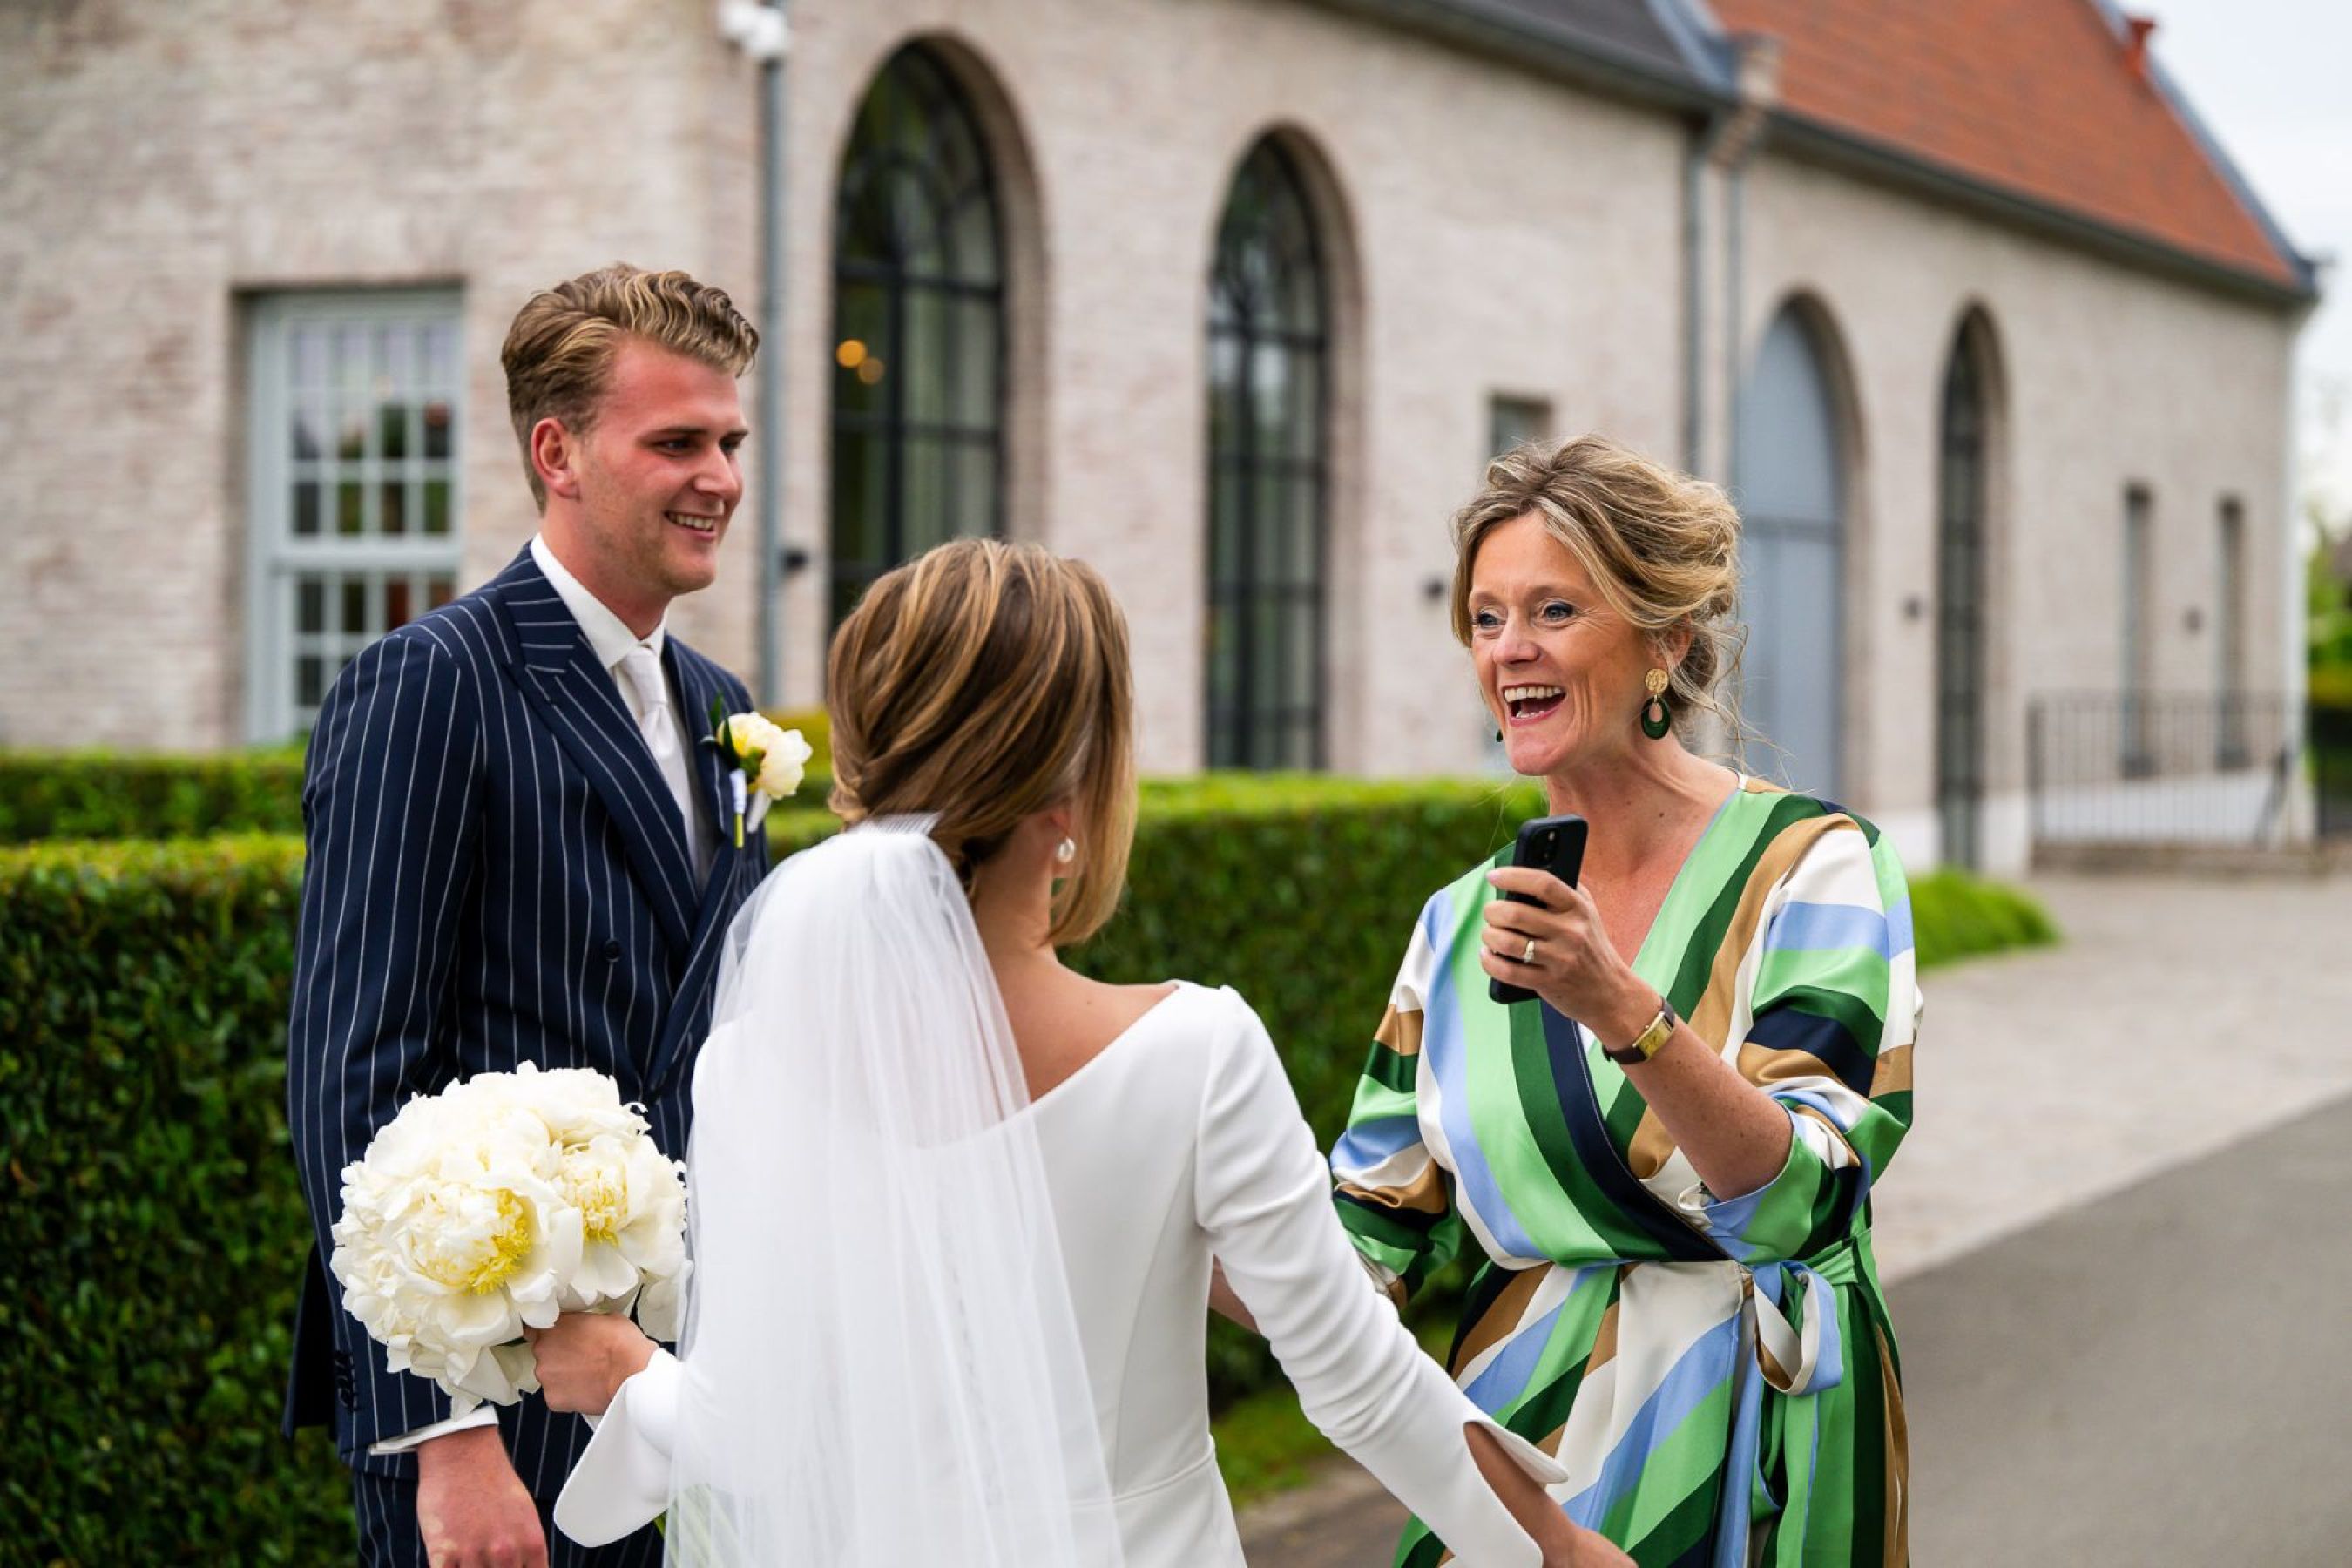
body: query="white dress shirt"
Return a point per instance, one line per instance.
(609, 639)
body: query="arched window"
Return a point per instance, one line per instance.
(918, 330)
(1790, 470)
(1270, 371)
(1960, 602)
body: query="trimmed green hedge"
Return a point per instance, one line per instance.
(152, 1227)
(151, 1214)
(170, 794)
(123, 794)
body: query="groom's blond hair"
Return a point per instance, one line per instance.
(559, 352)
(985, 682)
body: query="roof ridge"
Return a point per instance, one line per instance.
(2184, 109)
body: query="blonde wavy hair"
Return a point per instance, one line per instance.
(1662, 548)
(985, 682)
(559, 352)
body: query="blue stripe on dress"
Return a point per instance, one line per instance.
(1898, 922)
(1820, 928)
(1505, 1377)
(1705, 1367)
(1474, 1187)
(1369, 1144)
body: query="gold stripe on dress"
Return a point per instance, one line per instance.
(1425, 1193)
(1893, 1074)
(1502, 1315)
(1652, 1146)
(1899, 1461)
(1400, 1032)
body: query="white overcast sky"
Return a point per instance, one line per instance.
(2269, 78)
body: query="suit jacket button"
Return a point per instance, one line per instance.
(613, 950)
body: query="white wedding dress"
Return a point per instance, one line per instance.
(1181, 1141)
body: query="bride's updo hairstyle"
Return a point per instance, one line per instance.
(985, 682)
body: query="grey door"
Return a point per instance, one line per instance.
(1789, 470)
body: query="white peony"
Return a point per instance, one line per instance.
(494, 1205)
(774, 759)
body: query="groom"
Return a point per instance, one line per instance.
(519, 851)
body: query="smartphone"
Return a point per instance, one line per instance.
(1553, 843)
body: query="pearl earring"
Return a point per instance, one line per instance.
(1066, 850)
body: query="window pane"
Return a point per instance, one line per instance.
(350, 509)
(309, 429)
(309, 679)
(310, 358)
(392, 516)
(439, 591)
(436, 429)
(306, 509)
(354, 600)
(350, 433)
(309, 606)
(436, 507)
(441, 357)
(397, 603)
(392, 431)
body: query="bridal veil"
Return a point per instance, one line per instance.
(881, 1361)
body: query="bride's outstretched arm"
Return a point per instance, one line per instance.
(1262, 1193)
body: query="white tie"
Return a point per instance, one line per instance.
(642, 669)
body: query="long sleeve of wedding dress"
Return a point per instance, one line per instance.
(1182, 1139)
(1263, 1195)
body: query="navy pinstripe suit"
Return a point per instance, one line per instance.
(496, 874)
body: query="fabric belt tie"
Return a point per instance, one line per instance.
(1811, 1359)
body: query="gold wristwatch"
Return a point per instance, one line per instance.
(1649, 1041)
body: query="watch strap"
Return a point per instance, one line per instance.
(1649, 1041)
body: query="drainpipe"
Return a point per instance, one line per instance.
(1756, 80)
(761, 31)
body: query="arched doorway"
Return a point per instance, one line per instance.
(1790, 468)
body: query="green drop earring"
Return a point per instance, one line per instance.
(1657, 717)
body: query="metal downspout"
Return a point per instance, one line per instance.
(761, 32)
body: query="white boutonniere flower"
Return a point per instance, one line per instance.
(765, 761)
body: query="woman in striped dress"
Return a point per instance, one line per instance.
(1670, 1191)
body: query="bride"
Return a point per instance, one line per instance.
(954, 1207)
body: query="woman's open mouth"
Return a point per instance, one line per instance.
(1526, 704)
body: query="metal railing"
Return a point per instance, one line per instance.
(2163, 768)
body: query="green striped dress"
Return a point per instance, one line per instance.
(1717, 1375)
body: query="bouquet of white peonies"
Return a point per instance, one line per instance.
(497, 1203)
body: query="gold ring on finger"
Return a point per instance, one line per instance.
(1530, 956)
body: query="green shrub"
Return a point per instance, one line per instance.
(124, 794)
(153, 1229)
(152, 1210)
(1956, 916)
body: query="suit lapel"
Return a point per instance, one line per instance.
(577, 701)
(697, 682)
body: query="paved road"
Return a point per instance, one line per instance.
(2115, 1241)
(2159, 1379)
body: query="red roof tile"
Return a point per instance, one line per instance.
(2037, 97)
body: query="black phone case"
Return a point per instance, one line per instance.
(1565, 861)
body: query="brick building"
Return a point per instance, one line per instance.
(1230, 297)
